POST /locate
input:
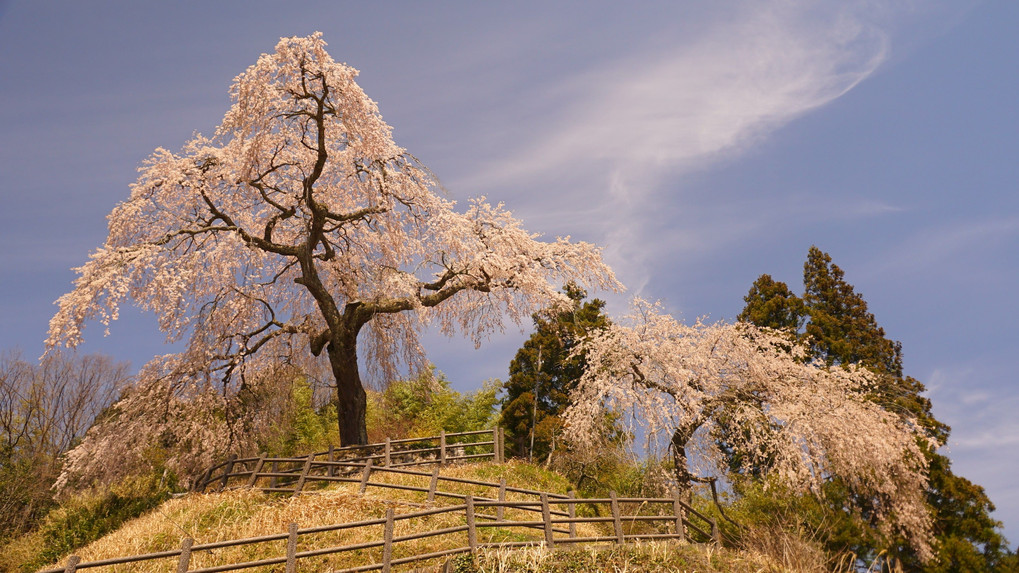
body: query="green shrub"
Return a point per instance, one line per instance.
(81, 520)
(426, 405)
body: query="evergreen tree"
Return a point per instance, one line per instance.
(543, 368)
(772, 304)
(840, 330)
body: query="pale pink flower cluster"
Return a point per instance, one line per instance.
(299, 218)
(753, 387)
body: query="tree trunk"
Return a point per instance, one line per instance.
(351, 399)
(680, 438)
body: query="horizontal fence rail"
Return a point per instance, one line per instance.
(480, 524)
(292, 474)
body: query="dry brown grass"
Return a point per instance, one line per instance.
(651, 557)
(208, 518)
(242, 513)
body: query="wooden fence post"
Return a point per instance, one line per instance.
(472, 531)
(387, 547)
(364, 476)
(433, 485)
(442, 447)
(274, 480)
(677, 506)
(291, 548)
(304, 473)
(546, 516)
(572, 510)
(203, 482)
(72, 564)
(389, 449)
(499, 509)
(332, 468)
(617, 524)
(716, 535)
(256, 469)
(500, 445)
(227, 471)
(185, 555)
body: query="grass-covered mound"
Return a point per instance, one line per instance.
(243, 513)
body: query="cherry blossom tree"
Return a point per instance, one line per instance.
(301, 228)
(802, 421)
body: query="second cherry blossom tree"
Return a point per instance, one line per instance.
(688, 385)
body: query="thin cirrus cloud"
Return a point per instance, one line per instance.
(927, 250)
(616, 132)
(722, 90)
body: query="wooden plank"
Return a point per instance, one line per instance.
(304, 473)
(472, 530)
(546, 517)
(185, 555)
(617, 524)
(433, 484)
(677, 506)
(227, 471)
(387, 547)
(291, 548)
(255, 470)
(571, 508)
(442, 447)
(500, 509)
(364, 477)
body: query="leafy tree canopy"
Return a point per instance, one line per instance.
(547, 367)
(832, 320)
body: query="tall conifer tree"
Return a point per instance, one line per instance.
(543, 368)
(840, 330)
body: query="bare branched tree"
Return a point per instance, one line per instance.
(45, 408)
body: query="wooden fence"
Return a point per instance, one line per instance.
(647, 518)
(291, 475)
(538, 518)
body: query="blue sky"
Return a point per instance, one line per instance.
(702, 144)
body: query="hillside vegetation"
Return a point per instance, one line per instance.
(248, 513)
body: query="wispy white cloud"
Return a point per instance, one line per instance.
(932, 247)
(618, 130)
(979, 401)
(965, 394)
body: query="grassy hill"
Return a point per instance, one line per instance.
(246, 513)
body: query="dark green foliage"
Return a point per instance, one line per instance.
(771, 515)
(544, 366)
(772, 304)
(85, 518)
(968, 538)
(840, 330)
(299, 425)
(426, 405)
